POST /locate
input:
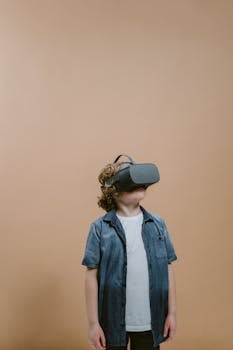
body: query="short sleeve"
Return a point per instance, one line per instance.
(91, 257)
(171, 253)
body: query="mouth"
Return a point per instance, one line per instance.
(140, 189)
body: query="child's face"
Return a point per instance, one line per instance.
(132, 197)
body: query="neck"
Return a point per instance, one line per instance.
(130, 210)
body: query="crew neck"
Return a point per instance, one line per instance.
(130, 217)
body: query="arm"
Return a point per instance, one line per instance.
(91, 259)
(172, 291)
(170, 323)
(91, 296)
(96, 335)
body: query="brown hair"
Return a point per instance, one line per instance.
(109, 195)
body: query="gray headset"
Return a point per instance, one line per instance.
(132, 176)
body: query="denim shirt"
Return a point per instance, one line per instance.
(106, 250)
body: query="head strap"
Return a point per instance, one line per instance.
(126, 155)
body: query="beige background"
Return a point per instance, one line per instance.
(80, 83)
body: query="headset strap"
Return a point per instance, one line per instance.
(126, 155)
(116, 175)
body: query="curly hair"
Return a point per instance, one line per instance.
(108, 198)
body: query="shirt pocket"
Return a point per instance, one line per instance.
(160, 247)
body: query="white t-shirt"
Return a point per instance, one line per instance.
(137, 316)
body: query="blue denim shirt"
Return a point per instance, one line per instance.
(106, 250)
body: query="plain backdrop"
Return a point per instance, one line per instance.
(80, 83)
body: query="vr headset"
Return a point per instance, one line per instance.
(132, 176)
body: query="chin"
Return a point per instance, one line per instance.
(140, 195)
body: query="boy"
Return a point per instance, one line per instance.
(129, 284)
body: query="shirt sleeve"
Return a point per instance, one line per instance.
(171, 253)
(91, 257)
